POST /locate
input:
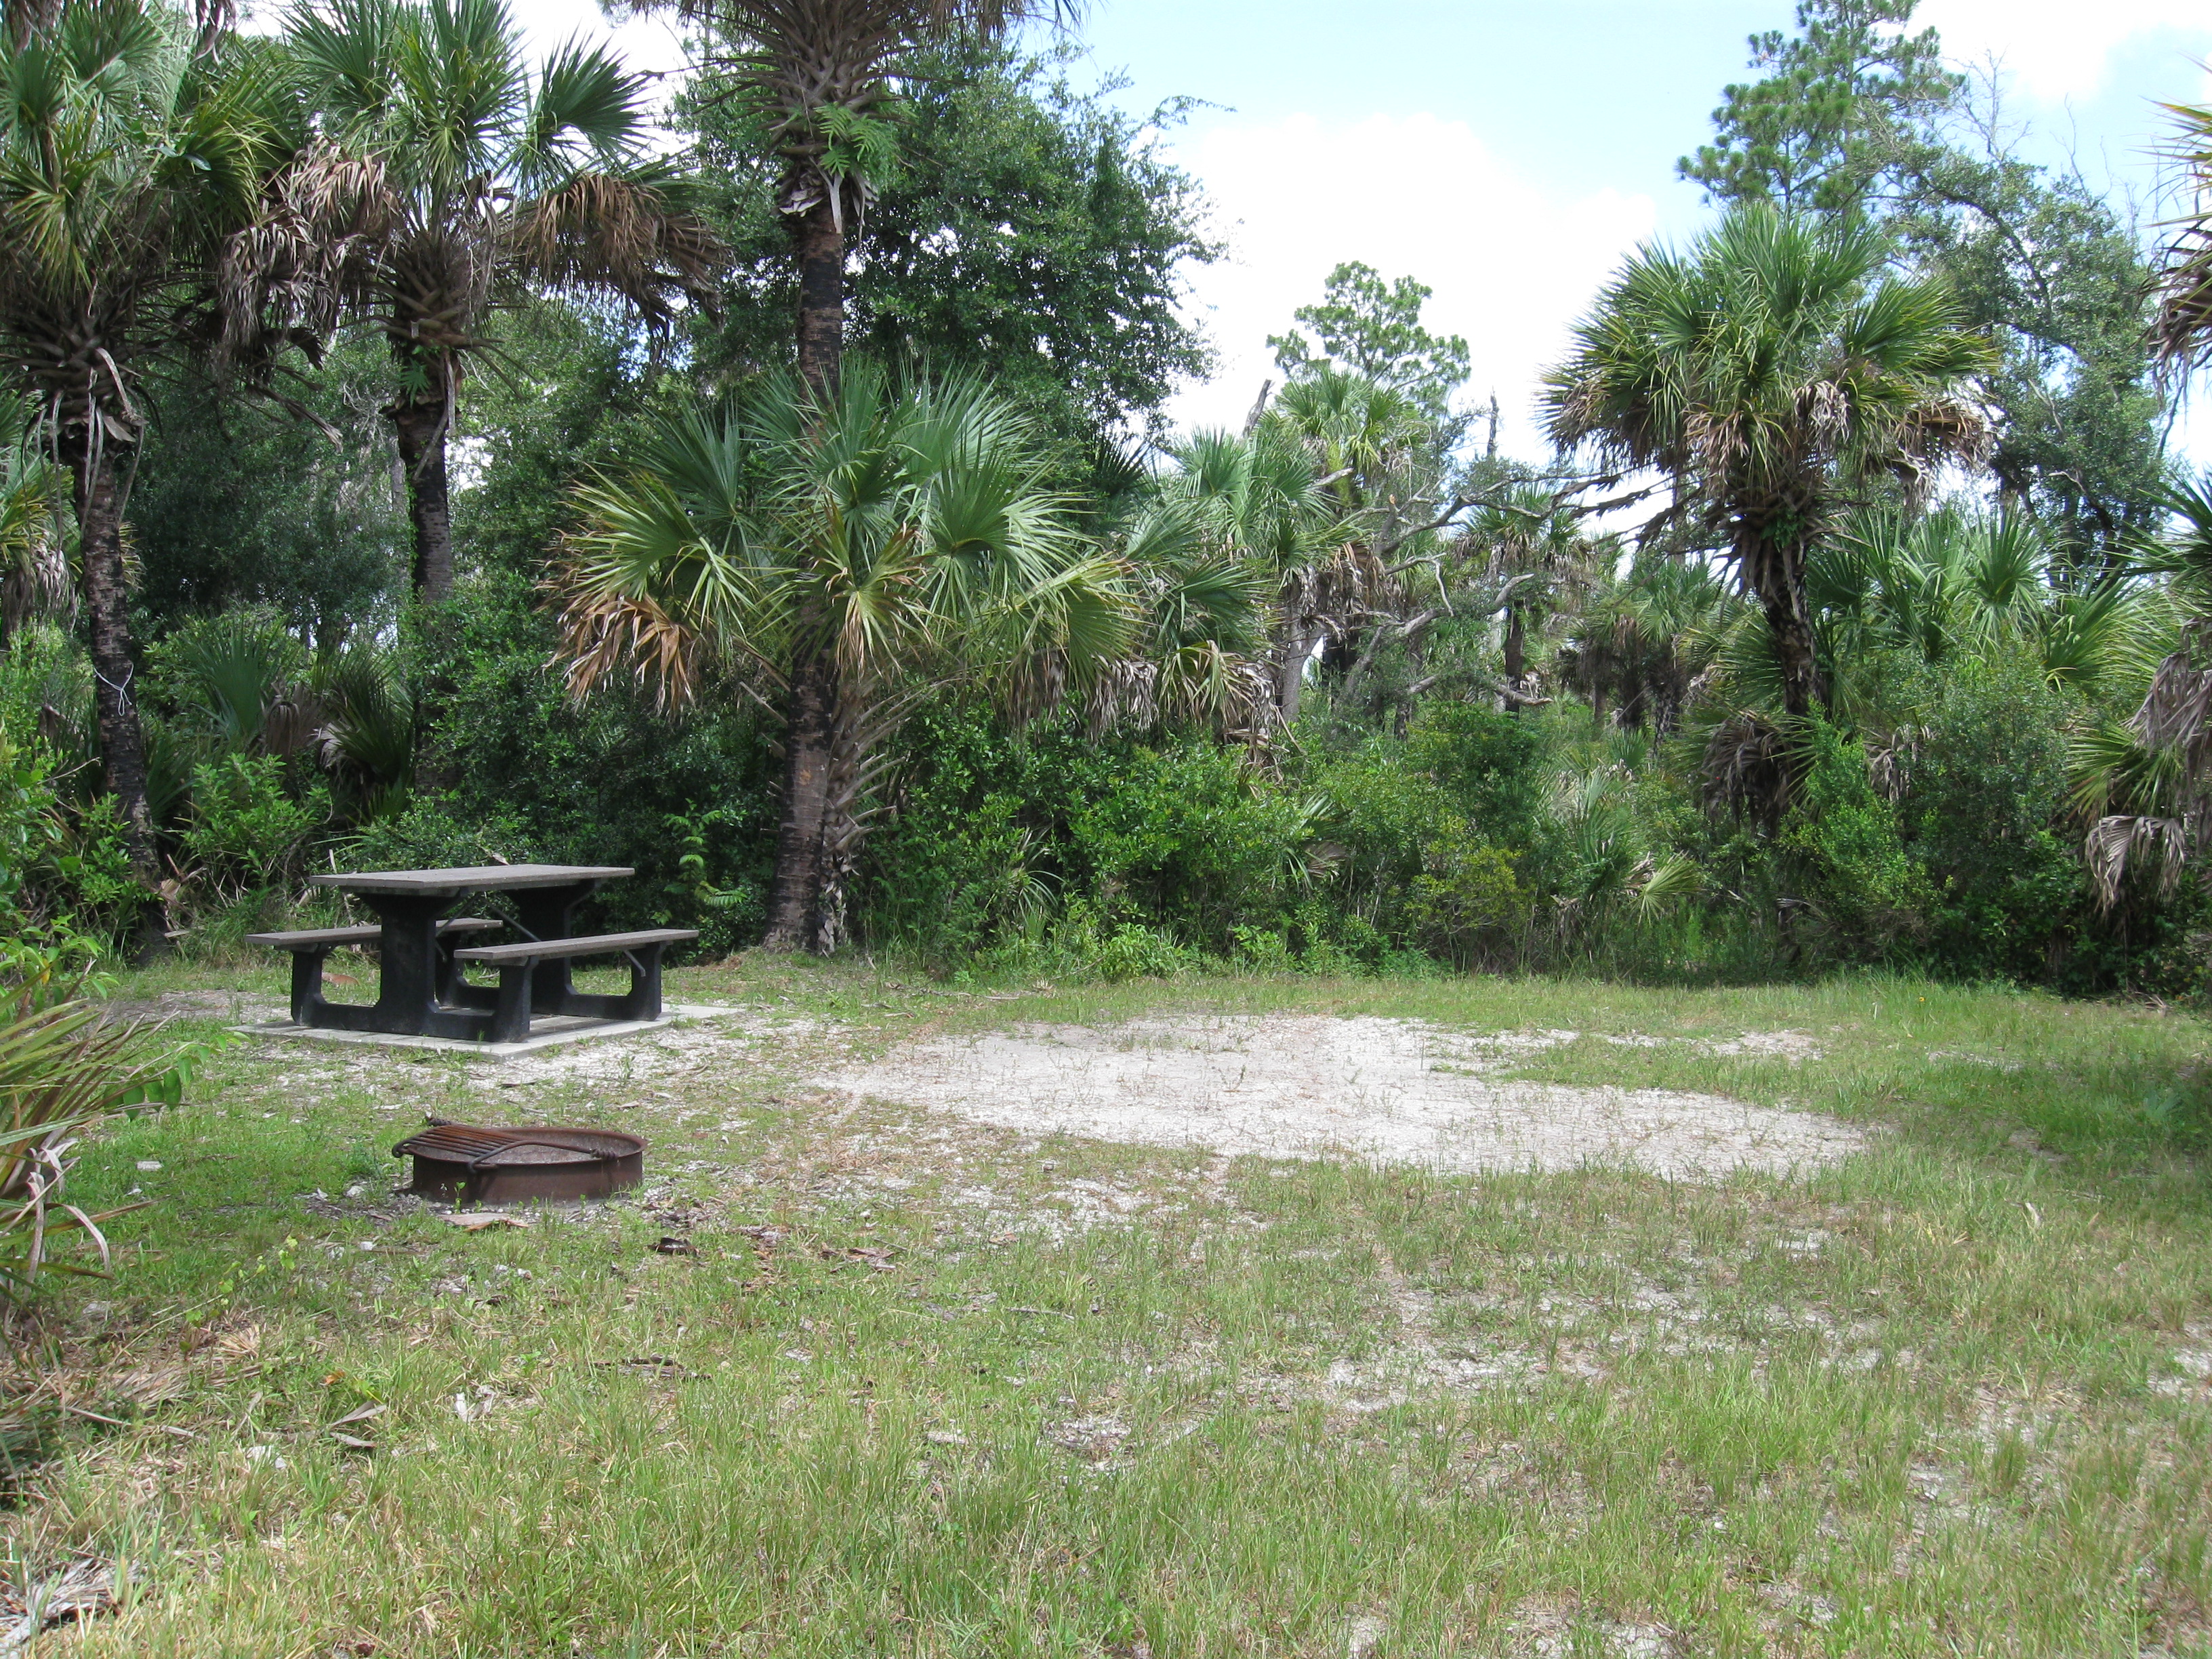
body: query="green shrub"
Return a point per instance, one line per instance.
(1867, 894)
(1133, 952)
(1494, 766)
(998, 833)
(511, 768)
(1467, 905)
(1985, 811)
(246, 831)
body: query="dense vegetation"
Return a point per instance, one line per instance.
(1823, 639)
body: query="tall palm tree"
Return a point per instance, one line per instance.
(1771, 372)
(134, 165)
(449, 184)
(821, 72)
(837, 558)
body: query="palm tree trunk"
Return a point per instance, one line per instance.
(420, 426)
(818, 239)
(1793, 650)
(1769, 554)
(1291, 667)
(1516, 655)
(809, 744)
(99, 504)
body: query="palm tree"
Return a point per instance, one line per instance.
(1371, 447)
(1201, 653)
(1771, 372)
(1535, 547)
(448, 185)
(836, 558)
(820, 74)
(133, 167)
(1645, 638)
(1256, 498)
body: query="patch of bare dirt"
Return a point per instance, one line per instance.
(1311, 1087)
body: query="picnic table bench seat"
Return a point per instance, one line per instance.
(329, 938)
(310, 945)
(518, 964)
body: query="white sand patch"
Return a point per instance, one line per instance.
(664, 1056)
(1302, 1086)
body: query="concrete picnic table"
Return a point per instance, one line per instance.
(421, 992)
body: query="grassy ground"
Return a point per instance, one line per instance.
(908, 1386)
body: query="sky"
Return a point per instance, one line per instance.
(1509, 156)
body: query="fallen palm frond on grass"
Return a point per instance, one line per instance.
(61, 1071)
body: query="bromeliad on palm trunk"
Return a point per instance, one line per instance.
(836, 559)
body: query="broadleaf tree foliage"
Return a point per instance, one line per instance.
(1029, 228)
(818, 77)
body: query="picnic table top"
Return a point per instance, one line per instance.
(472, 878)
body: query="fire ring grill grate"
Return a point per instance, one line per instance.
(466, 1164)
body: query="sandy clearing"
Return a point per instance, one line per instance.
(1313, 1087)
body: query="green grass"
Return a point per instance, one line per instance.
(1143, 1402)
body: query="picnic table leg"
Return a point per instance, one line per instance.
(544, 913)
(643, 1001)
(409, 993)
(510, 1020)
(412, 975)
(307, 984)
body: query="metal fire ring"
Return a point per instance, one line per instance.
(463, 1163)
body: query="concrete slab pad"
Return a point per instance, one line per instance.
(559, 1031)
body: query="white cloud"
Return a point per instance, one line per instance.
(649, 42)
(1411, 195)
(2061, 49)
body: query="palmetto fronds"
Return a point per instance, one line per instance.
(128, 164)
(835, 556)
(446, 173)
(366, 736)
(896, 530)
(1767, 371)
(1953, 582)
(1197, 657)
(2148, 785)
(2183, 326)
(445, 180)
(61, 1069)
(35, 572)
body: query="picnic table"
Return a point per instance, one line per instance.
(423, 948)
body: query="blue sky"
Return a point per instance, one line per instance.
(1510, 154)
